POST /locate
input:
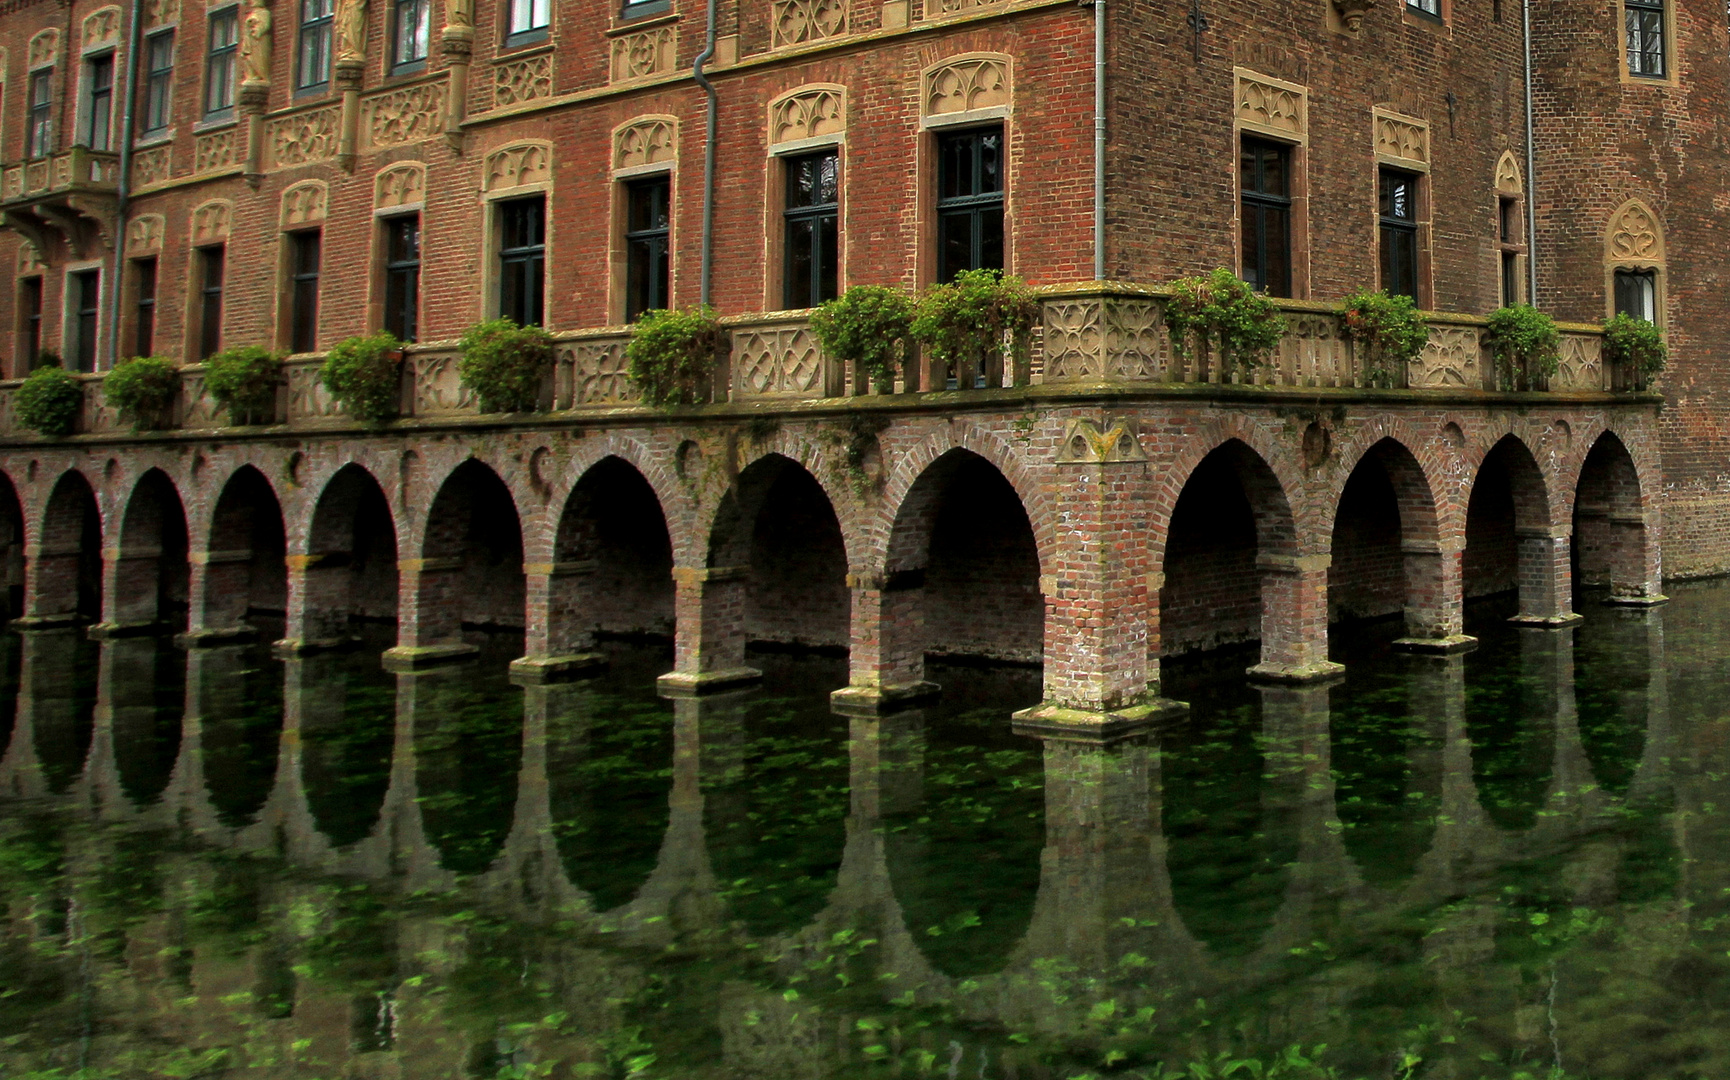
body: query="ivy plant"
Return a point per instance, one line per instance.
(50, 401)
(1221, 315)
(868, 325)
(243, 380)
(142, 388)
(364, 374)
(1636, 344)
(505, 364)
(1525, 344)
(672, 355)
(1389, 329)
(979, 313)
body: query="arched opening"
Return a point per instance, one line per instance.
(612, 567)
(351, 558)
(1386, 551)
(1509, 546)
(778, 522)
(244, 569)
(1610, 538)
(150, 574)
(66, 583)
(471, 559)
(1229, 515)
(11, 550)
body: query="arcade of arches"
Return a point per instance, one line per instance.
(1093, 546)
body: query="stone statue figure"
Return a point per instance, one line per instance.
(350, 29)
(255, 47)
(459, 13)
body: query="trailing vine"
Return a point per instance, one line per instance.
(980, 313)
(1389, 328)
(1526, 345)
(1637, 344)
(506, 364)
(243, 380)
(672, 355)
(364, 374)
(868, 325)
(1221, 314)
(142, 388)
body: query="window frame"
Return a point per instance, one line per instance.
(1262, 202)
(1410, 227)
(392, 269)
(91, 95)
(630, 11)
(226, 57)
(648, 244)
(158, 84)
(825, 216)
(398, 64)
(208, 300)
(145, 300)
(1650, 276)
(1661, 11)
(32, 293)
(319, 32)
(529, 32)
(39, 115)
(505, 258)
(81, 312)
(1511, 248)
(301, 289)
(974, 204)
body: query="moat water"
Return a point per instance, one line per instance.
(1509, 864)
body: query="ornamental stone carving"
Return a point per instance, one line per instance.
(152, 166)
(1452, 357)
(1351, 13)
(1272, 106)
(778, 360)
(1402, 139)
(966, 84)
(459, 14)
(255, 47)
(953, 7)
(210, 222)
(517, 165)
(523, 80)
(216, 150)
(808, 114)
(600, 374)
(1508, 177)
(648, 141)
(30, 259)
(798, 21)
(101, 29)
(645, 54)
(161, 12)
(402, 116)
(144, 233)
(303, 137)
(1579, 364)
(1635, 235)
(44, 49)
(399, 185)
(1086, 442)
(304, 204)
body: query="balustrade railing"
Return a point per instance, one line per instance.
(1088, 335)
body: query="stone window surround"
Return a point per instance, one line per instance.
(1418, 165)
(69, 310)
(1289, 125)
(618, 204)
(775, 188)
(1510, 186)
(932, 125)
(1619, 256)
(1672, 62)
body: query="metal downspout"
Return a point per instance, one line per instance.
(1531, 168)
(708, 155)
(1099, 140)
(123, 182)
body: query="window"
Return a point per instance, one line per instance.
(210, 268)
(1637, 294)
(647, 229)
(969, 202)
(1264, 181)
(303, 260)
(640, 8)
(85, 289)
(39, 137)
(158, 81)
(30, 324)
(99, 102)
(144, 307)
(409, 40)
(810, 252)
(1432, 8)
(529, 19)
(223, 29)
(312, 59)
(522, 259)
(402, 276)
(1645, 21)
(1512, 246)
(1399, 233)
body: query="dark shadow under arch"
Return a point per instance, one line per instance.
(473, 557)
(613, 560)
(11, 550)
(151, 576)
(67, 578)
(1507, 509)
(352, 557)
(1610, 536)
(244, 571)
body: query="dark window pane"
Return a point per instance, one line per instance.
(402, 277)
(223, 30)
(303, 311)
(522, 260)
(970, 201)
(144, 317)
(30, 307)
(1264, 171)
(159, 80)
(646, 245)
(86, 288)
(99, 103)
(1510, 278)
(39, 139)
(812, 224)
(313, 61)
(210, 301)
(1637, 294)
(1644, 20)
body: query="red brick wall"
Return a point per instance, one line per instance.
(982, 583)
(1212, 591)
(1367, 577)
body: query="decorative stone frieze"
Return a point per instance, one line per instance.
(152, 166)
(779, 360)
(1402, 140)
(799, 21)
(650, 140)
(411, 114)
(215, 150)
(210, 222)
(304, 137)
(966, 84)
(101, 29)
(399, 185)
(44, 49)
(144, 233)
(1635, 236)
(1272, 106)
(644, 54)
(808, 114)
(304, 204)
(600, 374)
(519, 81)
(517, 165)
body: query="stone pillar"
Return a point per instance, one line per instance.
(1299, 788)
(457, 42)
(50, 585)
(1294, 619)
(131, 591)
(886, 656)
(1636, 565)
(219, 594)
(429, 614)
(556, 642)
(317, 604)
(1435, 597)
(709, 638)
(1546, 578)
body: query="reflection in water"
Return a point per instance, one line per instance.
(1498, 864)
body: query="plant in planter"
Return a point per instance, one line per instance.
(867, 326)
(364, 374)
(672, 355)
(243, 380)
(1526, 345)
(976, 320)
(505, 364)
(1637, 345)
(50, 400)
(1220, 315)
(143, 389)
(1390, 331)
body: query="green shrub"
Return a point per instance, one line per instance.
(50, 401)
(1638, 344)
(672, 355)
(1526, 345)
(1221, 314)
(505, 364)
(142, 388)
(1390, 330)
(979, 313)
(244, 380)
(364, 374)
(867, 325)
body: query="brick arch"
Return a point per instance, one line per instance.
(1438, 468)
(11, 548)
(1534, 504)
(304, 527)
(877, 542)
(470, 547)
(147, 575)
(1646, 466)
(342, 573)
(1285, 497)
(65, 569)
(823, 462)
(1616, 536)
(678, 508)
(434, 471)
(244, 547)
